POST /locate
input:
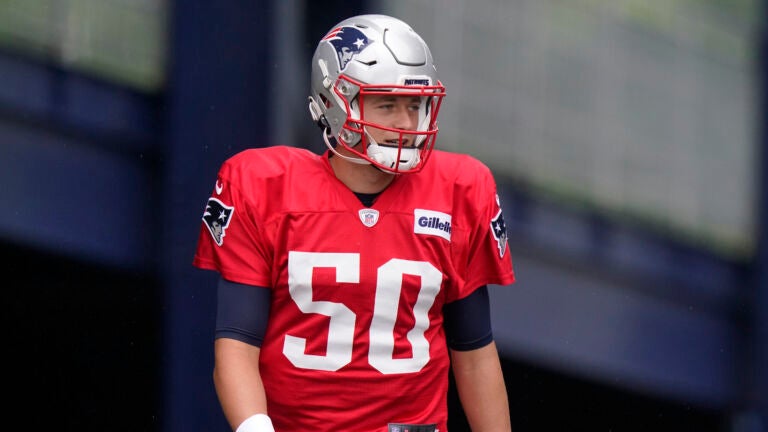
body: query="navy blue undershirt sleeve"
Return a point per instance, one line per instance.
(467, 322)
(242, 312)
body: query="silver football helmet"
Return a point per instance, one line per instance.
(374, 55)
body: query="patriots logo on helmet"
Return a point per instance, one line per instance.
(499, 230)
(217, 216)
(348, 42)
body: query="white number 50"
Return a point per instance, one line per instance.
(342, 319)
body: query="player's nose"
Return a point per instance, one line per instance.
(404, 117)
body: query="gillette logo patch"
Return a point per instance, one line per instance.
(432, 223)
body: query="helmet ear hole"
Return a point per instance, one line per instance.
(317, 114)
(326, 101)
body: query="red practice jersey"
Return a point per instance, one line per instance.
(355, 334)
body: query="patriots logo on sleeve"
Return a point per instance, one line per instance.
(217, 216)
(348, 42)
(499, 230)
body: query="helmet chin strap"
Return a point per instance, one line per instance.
(332, 148)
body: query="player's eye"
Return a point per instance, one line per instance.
(415, 104)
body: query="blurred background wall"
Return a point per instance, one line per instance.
(626, 137)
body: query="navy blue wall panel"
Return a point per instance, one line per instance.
(77, 163)
(72, 198)
(575, 322)
(217, 105)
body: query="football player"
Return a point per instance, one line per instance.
(353, 281)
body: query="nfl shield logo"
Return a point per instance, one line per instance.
(369, 217)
